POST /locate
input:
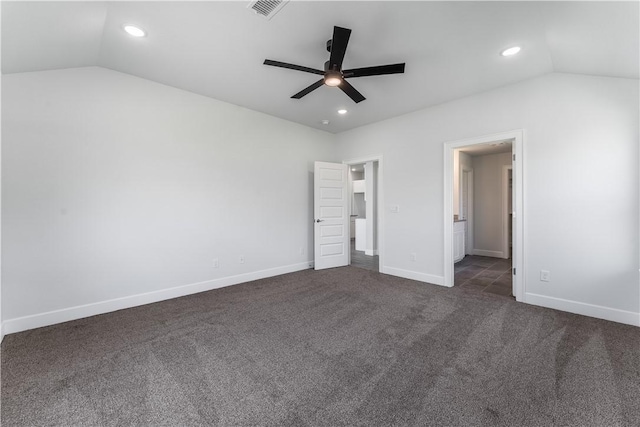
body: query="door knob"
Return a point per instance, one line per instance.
(319, 220)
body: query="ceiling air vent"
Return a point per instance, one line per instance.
(267, 8)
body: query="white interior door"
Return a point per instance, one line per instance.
(331, 215)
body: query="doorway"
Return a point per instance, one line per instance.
(365, 231)
(485, 247)
(483, 263)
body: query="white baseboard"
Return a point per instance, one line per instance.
(413, 275)
(1, 332)
(371, 252)
(591, 310)
(482, 252)
(19, 324)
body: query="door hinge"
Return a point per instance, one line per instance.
(514, 271)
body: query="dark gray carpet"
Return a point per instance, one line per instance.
(330, 348)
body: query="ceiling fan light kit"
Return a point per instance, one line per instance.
(332, 78)
(333, 74)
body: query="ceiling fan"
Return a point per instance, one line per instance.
(333, 73)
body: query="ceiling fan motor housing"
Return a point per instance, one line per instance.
(326, 67)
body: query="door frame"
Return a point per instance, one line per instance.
(379, 203)
(517, 138)
(505, 209)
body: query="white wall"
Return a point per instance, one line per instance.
(370, 177)
(487, 203)
(115, 186)
(461, 161)
(358, 206)
(456, 182)
(581, 203)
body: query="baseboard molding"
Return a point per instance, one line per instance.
(414, 275)
(1, 332)
(591, 310)
(482, 252)
(371, 252)
(19, 324)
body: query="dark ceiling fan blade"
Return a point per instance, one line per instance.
(351, 92)
(293, 67)
(338, 47)
(308, 89)
(374, 71)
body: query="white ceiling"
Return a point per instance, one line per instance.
(217, 48)
(496, 147)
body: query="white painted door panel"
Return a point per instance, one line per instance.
(331, 216)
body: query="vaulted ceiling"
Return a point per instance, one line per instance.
(217, 49)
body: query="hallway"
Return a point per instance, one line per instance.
(485, 274)
(360, 260)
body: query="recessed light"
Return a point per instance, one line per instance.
(325, 122)
(510, 51)
(354, 169)
(134, 31)
(343, 111)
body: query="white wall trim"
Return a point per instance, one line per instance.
(414, 275)
(19, 324)
(483, 252)
(591, 310)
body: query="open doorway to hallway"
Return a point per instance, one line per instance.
(364, 179)
(482, 217)
(483, 223)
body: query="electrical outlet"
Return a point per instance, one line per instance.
(413, 256)
(241, 259)
(545, 276)
(395, 208)
(216, 263)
